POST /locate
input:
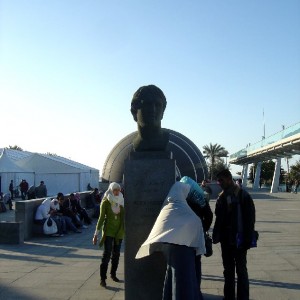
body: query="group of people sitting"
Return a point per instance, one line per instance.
(66, 212)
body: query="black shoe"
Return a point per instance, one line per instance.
(103, 283)
(115, 278)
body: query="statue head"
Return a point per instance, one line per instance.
(147, 108)
(148, 105)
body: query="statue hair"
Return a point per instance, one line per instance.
(147, 91)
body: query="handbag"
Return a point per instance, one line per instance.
(240, 239)
(49, 227)
(208, 245)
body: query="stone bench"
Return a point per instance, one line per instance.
(11, 232)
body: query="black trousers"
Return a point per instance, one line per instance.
(235, 260)
(111, 251)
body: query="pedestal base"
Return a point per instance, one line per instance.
(147, 182)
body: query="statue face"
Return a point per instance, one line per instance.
(150, 112)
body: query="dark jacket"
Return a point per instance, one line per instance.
(204, 213)
(226, 223)
(197, 202)
(41, 191)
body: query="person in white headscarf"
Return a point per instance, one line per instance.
(200, 205)
(178, 233)
(111, 221)
(43, 211)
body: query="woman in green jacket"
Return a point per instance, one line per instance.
(111, 221)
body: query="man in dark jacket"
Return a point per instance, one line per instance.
(31, 192)
(41, 190)
(24, 188)
(235, 213)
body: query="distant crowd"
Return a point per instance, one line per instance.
(27, 192)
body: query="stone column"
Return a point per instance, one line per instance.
(245, 175)
(257, 176)
(275, 182)
(148, 177)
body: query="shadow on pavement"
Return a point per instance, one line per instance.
(13, 294)
(27, 258)
(286, 285)
(276, 284)
(211, 297)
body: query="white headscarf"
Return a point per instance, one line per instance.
(176, 224)
(43, 210)
(115, 201)
(55, 204)
(47, 203)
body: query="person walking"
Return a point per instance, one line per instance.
(111, 221)
(235, 215)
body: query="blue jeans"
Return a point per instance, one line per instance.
(61, 224)
(69, 223)
(112, 248)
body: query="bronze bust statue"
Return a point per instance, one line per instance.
(147, 107)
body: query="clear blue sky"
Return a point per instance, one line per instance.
(68, 70)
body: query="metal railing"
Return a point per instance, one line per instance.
(285, 133)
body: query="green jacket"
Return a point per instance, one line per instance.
(112, 225)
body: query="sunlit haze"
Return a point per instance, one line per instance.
(68, 70)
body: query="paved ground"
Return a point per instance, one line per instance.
(68, 267)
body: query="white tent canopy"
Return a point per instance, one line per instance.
(58, 173)
(9, 170)
(8, 165)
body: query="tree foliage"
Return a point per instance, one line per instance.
(15, 147)
(51, 154)
(295, 171)
(214, 153)
(267, 171)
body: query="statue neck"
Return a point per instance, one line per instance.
(149, 131)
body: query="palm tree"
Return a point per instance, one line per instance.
(214, 154)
